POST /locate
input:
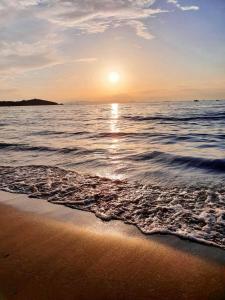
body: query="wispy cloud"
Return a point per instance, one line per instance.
(184, 8)
(19, 56)
(85, 60)
(32, 31)
(141, 29)
(92, 16)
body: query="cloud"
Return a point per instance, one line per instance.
(94, 16)
(18, 56)
(184, 8)
(140, 29)
(32, 32)
(89, 16)
(28, 62)
(85, 60)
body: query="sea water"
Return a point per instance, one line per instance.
(159, 166)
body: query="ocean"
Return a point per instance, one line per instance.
(159, 166)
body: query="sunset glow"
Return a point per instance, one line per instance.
(114, 77)
(112, 51)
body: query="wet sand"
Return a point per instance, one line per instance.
(53, 252)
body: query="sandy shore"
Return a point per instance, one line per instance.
(58, 253)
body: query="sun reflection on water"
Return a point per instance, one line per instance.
(114, 126)
(114, 142)
(114, 118)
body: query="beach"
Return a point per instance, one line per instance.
(53, 252)
(112, 150)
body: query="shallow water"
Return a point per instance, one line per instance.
(173, 150)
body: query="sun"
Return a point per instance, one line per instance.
(113, 77)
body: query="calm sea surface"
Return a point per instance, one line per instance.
(168, 145)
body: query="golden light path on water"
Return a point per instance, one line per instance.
(114, 146)
(114, 127)
(114, 118)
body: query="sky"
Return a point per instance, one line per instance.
(66, 50)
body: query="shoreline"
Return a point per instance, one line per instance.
(85, 218)
(54, 252)
(187, 213)
(88, 220)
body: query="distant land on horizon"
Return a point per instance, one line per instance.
(31, 102)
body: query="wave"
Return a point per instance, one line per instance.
(211, 165)
(195, 213)
(121, 134)
(96, 135)
(25, 147)
(51, 132)
(164, 137)
(210, 117)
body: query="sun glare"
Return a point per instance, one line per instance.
(114, 77)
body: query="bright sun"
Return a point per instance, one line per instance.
(114, 77)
